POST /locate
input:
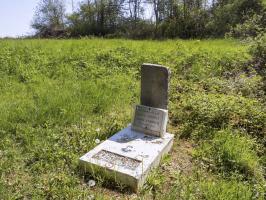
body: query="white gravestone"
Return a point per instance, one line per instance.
(128, 156)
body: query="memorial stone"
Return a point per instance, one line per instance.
(128, 156)
(150, 120)
(154, 86)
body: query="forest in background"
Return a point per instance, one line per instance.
(156, 19)
(58, 97)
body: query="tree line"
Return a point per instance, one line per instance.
(142, 19)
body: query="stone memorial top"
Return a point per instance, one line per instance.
(154, 86)
(151, 116)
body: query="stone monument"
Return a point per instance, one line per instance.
(129, 155)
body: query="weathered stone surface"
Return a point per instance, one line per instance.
(154, 86)
(150, 120)
(127, 157)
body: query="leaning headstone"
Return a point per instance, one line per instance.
(128, 156)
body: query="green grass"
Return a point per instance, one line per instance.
(58, 96)
(230, 153)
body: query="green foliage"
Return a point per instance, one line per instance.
(220, 189)
(201, 186)
(53, 108)
(229, 153)
(154, 181)
(258, 50)
(165, 19)
(99, 18)
(233, 13)
(252, 27)
(49, 18)
(200, 113)
(59, 96)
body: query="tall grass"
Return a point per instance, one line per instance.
(58, 96)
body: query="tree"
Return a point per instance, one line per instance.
(230, 13)
(99, 17)
(49, 18)
(151, 18)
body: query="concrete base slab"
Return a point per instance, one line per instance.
(127, 157)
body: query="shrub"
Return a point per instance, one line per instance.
(200, 113)
(258, 51)
(252, 27)
(242, 84)
(204, 64)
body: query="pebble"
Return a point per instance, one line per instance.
(91, 183)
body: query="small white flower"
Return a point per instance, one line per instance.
(91, 197)
(97, 141)
(98, 130)
(91, 183)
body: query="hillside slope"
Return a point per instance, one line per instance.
(59, 96)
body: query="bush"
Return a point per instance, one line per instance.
(258, 51)
(252, 27)
(242, 84)
(200, 113)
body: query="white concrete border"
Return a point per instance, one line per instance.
(136, 147)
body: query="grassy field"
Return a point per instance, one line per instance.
(58, 96)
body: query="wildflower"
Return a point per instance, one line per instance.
(91, 183)
(97, 141)
(91, 197)
(98, 129)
